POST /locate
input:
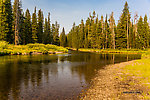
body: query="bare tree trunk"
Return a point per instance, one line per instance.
(135, 27)
(17, 24)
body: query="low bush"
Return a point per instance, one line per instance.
(3, 45)
(6, 48)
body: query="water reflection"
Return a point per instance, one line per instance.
(50, 77)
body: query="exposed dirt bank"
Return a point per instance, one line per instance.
(113, 83)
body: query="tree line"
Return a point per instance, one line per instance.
(104, 33)
(18, 27)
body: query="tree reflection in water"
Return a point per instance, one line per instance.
(51, 76)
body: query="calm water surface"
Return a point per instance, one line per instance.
(50, 77)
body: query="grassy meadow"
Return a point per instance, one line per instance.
(141, 69)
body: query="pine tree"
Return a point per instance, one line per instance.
(50, 36)
(2, 20)
(112, 30)
(28, 28)
(99, 35)
(131, 36)
(87, 32)
(22, 34)
(96, 36)
(63, 38)
(140, 40)
(107, 34)
(34, 27)
(74, 36)
(81, 34)
(92, 30)
(103, 35)
(40, 26)
(55, 33)
(69, 39)
(45, 34)
(146, 32)
(122, 40)
(8, 21)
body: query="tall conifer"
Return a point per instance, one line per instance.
(81, 34)
(63, 38)
(56, 33)
(40, 26)
(87, 32)
(140, 41)
(34, 27)
(28, 28)
(112, 30)
(22, 34)
(146, 32)
(50, 36)
(123, 28)
(2, 20)
(45, 34)
(99, 35)
(8, 22)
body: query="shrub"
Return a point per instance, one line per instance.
(36, 45)
(3, 45)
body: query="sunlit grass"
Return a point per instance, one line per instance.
(6, 48)
(141, 70)
(124, 51)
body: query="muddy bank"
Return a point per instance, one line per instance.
(113, 82)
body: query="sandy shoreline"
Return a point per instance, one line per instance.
(113, 83)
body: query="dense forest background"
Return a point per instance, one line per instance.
(20, 28)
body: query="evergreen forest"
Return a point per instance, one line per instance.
(21, 28)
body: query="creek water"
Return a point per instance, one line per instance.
(51, 77)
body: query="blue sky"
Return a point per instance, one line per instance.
(68, 11)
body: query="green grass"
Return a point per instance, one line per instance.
(6, 48)
(141, 69)
(122, 51)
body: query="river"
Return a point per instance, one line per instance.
(51, 77)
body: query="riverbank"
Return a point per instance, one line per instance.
(30, 49)
(112, 51)
(125, 81)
